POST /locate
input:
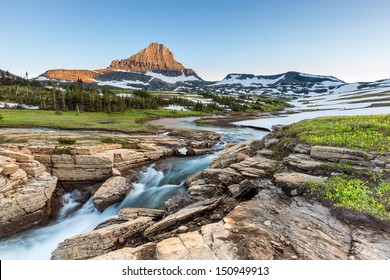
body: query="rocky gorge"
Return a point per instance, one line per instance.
(252, 202)
(29, 172)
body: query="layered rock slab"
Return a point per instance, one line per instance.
(101, 241)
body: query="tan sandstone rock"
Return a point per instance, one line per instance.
(112, 191)
(102, 241)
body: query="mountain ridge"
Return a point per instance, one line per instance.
(155, 68)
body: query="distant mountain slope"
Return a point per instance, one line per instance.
(8, 75)
(286, 83)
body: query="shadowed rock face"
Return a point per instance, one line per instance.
(155, 58)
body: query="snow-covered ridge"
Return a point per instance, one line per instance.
(330, 78)
(293, 78)
(248, 80)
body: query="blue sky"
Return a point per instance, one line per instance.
(344, 38)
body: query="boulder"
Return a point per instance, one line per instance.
(144, 252)
(302, 161)
(254, 166)
(370, 244)
(76, 173)
(177, 202)
(234, 152)
(19, 157)
(302, 149)
(270, 226)
(19, 174)
(187, 246)
(26, 204)
(229, 176)
(243, 191)
(112, 191)
(336, 154)
(91, 150)
(116, 172)
(295, 180)
(9, 168)
(133, 213)
(33, 169)
(205, 190)
(179, 218)
(101, 241)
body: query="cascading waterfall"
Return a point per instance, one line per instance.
(153, 188)
(151, 191)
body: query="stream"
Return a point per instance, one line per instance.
(151, 190)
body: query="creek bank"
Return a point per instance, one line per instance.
(26, 191)
(30, 195)
(252, 203)
(100, 162)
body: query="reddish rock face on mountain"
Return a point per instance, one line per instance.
(72, 75)
(155, 58)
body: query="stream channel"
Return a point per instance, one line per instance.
(151, 190)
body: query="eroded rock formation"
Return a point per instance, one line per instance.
(250, 204)
(25, 191)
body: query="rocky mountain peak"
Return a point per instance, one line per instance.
(154, 58)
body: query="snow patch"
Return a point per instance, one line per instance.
(172, 80)
(183, 151)
(247, 82)
(346, 88)
(15, 105)
(125, 94)
(176, 108)
(125, 84)
(42, 79)
(320, 77)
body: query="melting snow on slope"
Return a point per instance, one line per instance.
(234, 79)
(126, 84)
(320, 77)
(172, 80)
(346, 88)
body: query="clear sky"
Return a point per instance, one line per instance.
(349, 39)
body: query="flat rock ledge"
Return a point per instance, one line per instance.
(101, 161)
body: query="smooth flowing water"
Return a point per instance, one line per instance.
(156, 184)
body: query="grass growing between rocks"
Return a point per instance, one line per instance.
(356, 194)
(366, 133)
(128, 121)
